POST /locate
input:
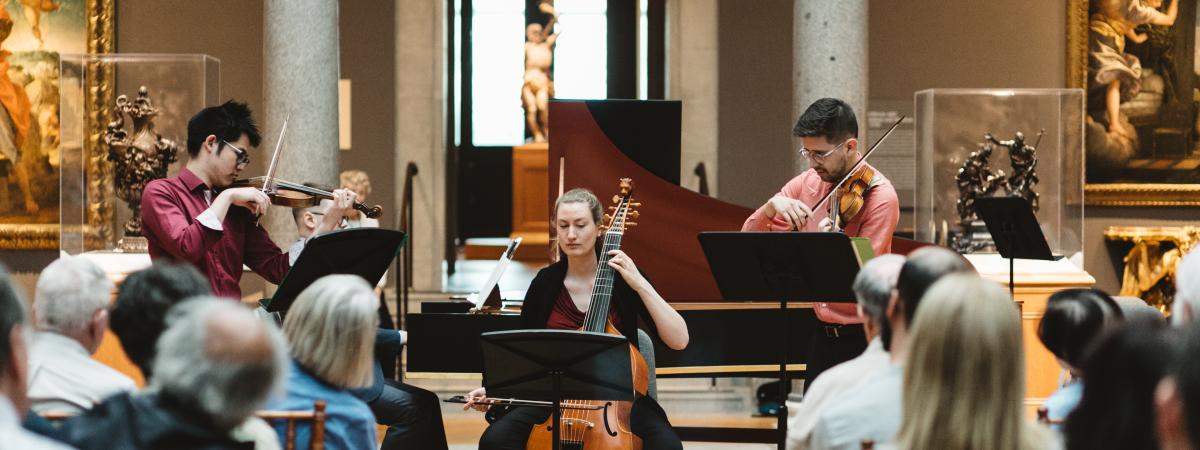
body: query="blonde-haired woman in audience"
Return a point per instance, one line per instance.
(964, 380)
(330, 331)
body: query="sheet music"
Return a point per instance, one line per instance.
(505, 258)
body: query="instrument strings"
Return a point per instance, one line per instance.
(594, 320)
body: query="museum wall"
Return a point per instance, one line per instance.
(755, 97)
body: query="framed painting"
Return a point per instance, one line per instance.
(33, 35)
(1139, 63)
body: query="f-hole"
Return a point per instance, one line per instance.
(607, 427)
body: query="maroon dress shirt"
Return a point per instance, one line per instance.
(170, 207)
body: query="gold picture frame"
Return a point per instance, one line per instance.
(1115, 194)
(100, 38)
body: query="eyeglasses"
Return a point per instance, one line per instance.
(820, 155)
(243, 157)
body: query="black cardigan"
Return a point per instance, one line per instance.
(546, 286)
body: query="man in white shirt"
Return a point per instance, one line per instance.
(71, 307)
(873, 288)
(13, 371)
(873, 410)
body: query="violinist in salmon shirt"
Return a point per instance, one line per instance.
(866, 207)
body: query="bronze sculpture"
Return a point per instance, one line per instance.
(138, 159)
(976, 179)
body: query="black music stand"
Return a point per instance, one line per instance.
(366, 252)
(783, 266)
(1015, 229)
(552, 364)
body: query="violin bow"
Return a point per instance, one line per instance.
(858, 163)
(269, 179)
(268, 185)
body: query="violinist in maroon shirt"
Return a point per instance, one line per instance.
(194, 218)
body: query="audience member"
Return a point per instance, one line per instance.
(216, 365)
(964, 377)
(13, 371)
(413, 415)
(330, 331)
(873, 411)
(1186, 308)
(71, 311)
(872, 288)
(139, 315)
(1073, 319)
(1177, 399)
(360, 183)
(1121, 371)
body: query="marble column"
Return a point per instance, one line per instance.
(830, 58)
(692, 71)
(420, 131)
(300, 76)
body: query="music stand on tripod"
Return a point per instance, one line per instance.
(552, 364)
(784, 267)
(1015, 229)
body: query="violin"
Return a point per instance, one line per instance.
(601, 425)
(851, 188)
(295, 195)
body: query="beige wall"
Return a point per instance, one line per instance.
(755, 98)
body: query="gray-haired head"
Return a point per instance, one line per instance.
(219, 358)
(1187, 290)
(70, 293)
(330, 330)
(874, 283)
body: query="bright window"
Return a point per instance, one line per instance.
(581, 56)
(497, 69)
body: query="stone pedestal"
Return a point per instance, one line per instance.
(531, 194)
(1034, 282)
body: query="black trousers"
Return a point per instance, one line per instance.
(831, 345)
(647, 420)
(413, 417)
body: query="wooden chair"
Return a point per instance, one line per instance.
(56, 416)
(316, 416)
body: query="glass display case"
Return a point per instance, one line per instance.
(973, 143)
(123, 122)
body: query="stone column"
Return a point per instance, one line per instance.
(830, 58)
(300, 75)
(692, 71)
(420, 131)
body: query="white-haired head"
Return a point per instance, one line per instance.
(72, 299)
(220, 359)
(330, 330)
(1187, 290)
